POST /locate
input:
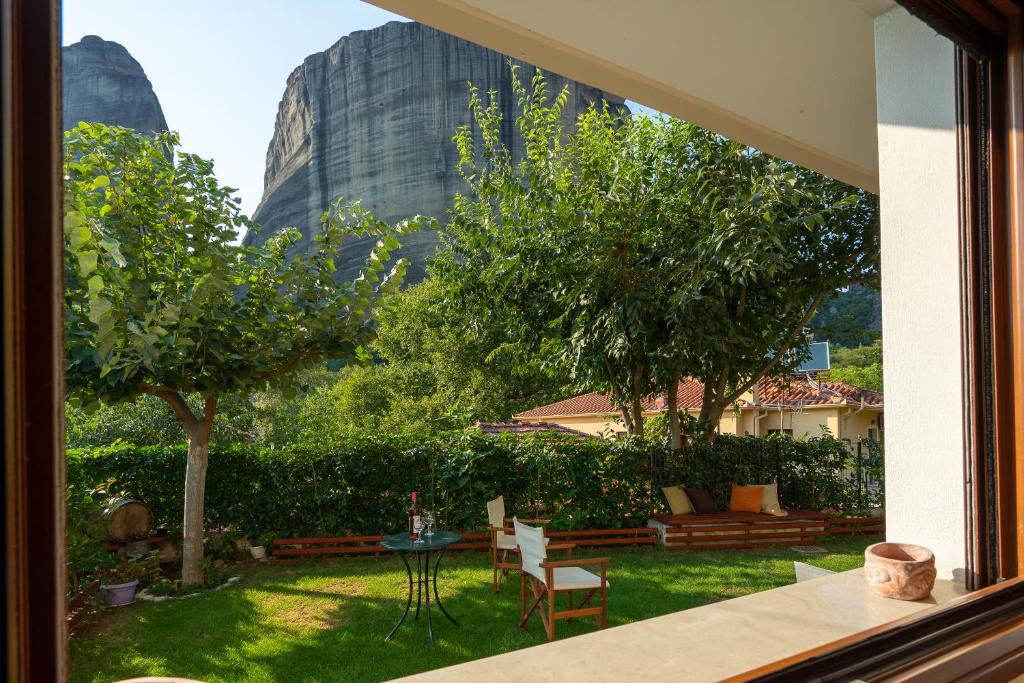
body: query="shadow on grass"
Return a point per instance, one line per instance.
(326, 620)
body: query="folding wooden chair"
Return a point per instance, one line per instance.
(503, 540)
(543, 580)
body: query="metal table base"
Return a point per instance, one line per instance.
(426, 580)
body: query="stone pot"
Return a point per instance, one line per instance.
(258, 552)
(899, 570)
(119, 594)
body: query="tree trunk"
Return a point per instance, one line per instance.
(711, 432)
(194, 526)
(638, 417)
(672, 396)
(195, 490)
(636, 404)
(711, 409)
(198, 432)
(627, 419)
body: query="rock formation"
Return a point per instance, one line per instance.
(103, 82)
(372, 119)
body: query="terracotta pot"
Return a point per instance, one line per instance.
(900, 570)
(119, 594)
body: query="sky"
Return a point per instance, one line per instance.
(219, 67)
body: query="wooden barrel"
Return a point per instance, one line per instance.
(127, 520)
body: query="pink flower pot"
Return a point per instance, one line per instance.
(120, 594)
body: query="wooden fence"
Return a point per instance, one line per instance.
(370, 545)
(704, 532)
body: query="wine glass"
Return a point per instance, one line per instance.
(418, 523)
(428, 522)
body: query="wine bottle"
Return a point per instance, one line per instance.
(414, 517)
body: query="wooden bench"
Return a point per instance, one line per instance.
(739, 530)
(744, 530)
(856, 525)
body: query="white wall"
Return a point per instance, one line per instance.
(920, 288)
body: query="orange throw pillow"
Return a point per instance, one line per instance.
(746, 498)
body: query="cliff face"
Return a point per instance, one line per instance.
(103, 82)
(372, 119)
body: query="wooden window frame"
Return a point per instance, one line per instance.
(33, 339)
(980, 636)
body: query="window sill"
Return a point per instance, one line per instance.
(707, 643)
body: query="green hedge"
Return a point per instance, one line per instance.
(362, 485)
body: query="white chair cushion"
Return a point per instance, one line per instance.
(575, 578)
(508, 541)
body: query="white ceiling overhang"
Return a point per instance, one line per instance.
(795, 78)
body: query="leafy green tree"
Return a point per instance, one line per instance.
(640, 251)
(361, 398)
(869, 377)
(149, 421)
(437, 368)
(566, 249)
(781, 240)
(852, 317)
(861, 367)
(452, 368)
(859, 357)
(315, 415)
(159, 300)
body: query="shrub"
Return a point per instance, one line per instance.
(86, 555)
(362, 485)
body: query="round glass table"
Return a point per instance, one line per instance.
(437, 543)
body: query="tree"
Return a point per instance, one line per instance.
(159, 299)
(861, 367)
(149, 421)
(437, 368)
(453, 367)
(641, 251)
(851, 318)
(780, 239)
(566, 248)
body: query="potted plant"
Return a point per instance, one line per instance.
(119, 582)
(259, 548)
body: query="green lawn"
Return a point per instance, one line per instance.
(326, 620)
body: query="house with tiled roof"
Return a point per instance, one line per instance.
(795, 405)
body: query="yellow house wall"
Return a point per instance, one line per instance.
(813, 422)
(729, 423)
(856, 425)
(745, 422)
(839, 421)
(597, 425)
(769, 420)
